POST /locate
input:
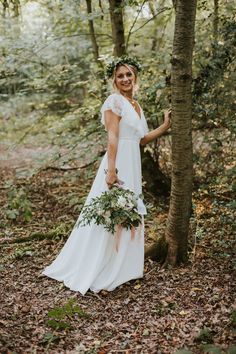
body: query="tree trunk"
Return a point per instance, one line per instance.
(156, 182)
(16, 7)
(92, 32)
(216, 21)
(181, 184)
(174, 4)
(117, 25)
(96, 48)
(5, 8)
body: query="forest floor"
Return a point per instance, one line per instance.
(190, 308)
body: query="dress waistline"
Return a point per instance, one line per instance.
(135, 140)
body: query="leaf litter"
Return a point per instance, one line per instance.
(189, 309)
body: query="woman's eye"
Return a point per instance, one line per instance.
(129, 74)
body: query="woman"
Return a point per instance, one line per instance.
(91, 258)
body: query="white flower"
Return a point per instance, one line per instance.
(99, 211)
(121, 202)
(107, 214)
(113, 204)
(107, 217)
(107, 221)
(129, 205)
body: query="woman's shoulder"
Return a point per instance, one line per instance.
(114, 99)
(113, 102)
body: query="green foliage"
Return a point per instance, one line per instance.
(232, 349)
(117, 206)
(213, 90)
(233, 319)
(115, 62)
(58, 325)
(18, 204)
(59, 315)
(164, 308)
(20, 252)
(49, 338)
(183, 351)
(211, 349)
(204, 336)
(61, 229)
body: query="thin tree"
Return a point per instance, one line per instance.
(172, 247)
(117, 25)
(92, 31)
(216, 21)
(182, 171)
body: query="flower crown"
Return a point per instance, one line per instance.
(120, 61)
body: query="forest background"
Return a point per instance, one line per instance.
(51, 143)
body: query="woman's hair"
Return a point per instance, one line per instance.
(132, 69)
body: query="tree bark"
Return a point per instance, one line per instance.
(181, 185)
(156, 182)
(16, 7)
(117, 25)
(216, 21)
(92, 32)
(175, 4)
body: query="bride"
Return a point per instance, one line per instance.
(90, 258)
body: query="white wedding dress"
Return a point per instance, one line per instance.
(89, 259)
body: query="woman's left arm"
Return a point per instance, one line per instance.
(152, 135)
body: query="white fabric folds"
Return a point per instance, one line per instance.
(90, 258)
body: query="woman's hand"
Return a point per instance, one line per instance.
(167, 119)
(153, 134)
(112, 178)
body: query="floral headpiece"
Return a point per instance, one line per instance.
(120, 61)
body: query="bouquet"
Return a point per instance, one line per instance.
(116, 207)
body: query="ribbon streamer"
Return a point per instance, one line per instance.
(133, 231)
(117, 236)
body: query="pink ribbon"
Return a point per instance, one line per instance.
(117, 236)
(132, 234)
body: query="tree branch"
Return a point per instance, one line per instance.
(150, 19)
(133, 24)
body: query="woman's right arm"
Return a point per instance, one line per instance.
(153, 134)
(112, 126)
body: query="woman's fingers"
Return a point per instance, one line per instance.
(110, 180)
(168, 113)
(167, 118)
(120, 182)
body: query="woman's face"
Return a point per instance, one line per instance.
(124, 79)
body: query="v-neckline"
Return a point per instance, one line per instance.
(139, 116)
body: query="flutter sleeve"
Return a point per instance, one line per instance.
(113, 103)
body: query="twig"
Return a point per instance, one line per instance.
(68, 168)
(34, 236)
(133, 24)
(150, 271)
(150, 19)
(97, 296)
